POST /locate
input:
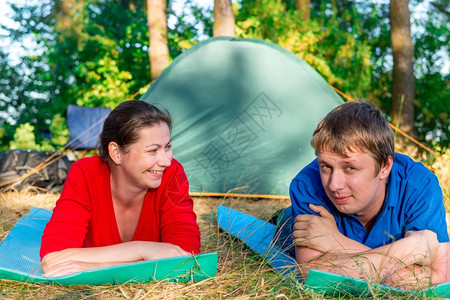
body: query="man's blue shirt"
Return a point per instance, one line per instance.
(413, 202)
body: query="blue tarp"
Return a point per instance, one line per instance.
(85, 125)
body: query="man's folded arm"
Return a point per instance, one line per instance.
(409, 259)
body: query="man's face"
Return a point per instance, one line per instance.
(352, 184)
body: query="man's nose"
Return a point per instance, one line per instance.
(336, 181)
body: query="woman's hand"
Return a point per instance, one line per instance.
(154, 250)
(71, 267)
(69, 261)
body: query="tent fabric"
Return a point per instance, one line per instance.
(244, 111)
(20, 261)
(85, 125)
(261, 236)
(17, 163)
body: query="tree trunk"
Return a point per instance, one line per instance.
(157, 27)
(223, 18)
(303, 6)
(64, 17)
(402, 89)
(129, 4)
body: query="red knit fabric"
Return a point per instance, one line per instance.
(84, 214)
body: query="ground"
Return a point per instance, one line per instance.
(241, 274)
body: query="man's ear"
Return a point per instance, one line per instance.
(114, 153)
(386, 168)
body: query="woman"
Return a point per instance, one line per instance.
(128, 204)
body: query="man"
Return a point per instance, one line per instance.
(361, 211)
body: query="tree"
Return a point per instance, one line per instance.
(24, 138)
(303, 6)
(402, 111)
(223, 18)
(89, 53)
(442, 6)
(157, 27)
(339, 53)
(431, 46)
(96, 53)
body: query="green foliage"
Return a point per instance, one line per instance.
(59, 131)
(348, 42)
(335, 52)
(432, 89)
(94, 53)
(6, 137)
(24, 138)
(46, 145)
(184, 33)
(3, 145)
(86, 56)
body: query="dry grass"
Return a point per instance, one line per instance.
(241, 273)
(441, 167)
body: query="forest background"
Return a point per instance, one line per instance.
(97, 53)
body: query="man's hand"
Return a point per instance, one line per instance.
(426, 260)
(317, 232)
(427, 244)
(440, 269)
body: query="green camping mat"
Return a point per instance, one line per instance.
(341, 286)
(19, 260)
(261, 237)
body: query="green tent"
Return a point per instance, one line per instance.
(244, 111)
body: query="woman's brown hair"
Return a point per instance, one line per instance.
(124, 123)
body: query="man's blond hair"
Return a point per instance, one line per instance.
(355, 126)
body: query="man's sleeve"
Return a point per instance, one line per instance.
(426, 206)
(306, 188)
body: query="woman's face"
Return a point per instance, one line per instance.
(144, 163)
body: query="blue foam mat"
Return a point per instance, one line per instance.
(20, 261)
(260, 236)
(18, 250)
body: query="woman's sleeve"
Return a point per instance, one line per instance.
(69, 223)
(178, 220)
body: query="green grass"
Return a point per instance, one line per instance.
(241, 273)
